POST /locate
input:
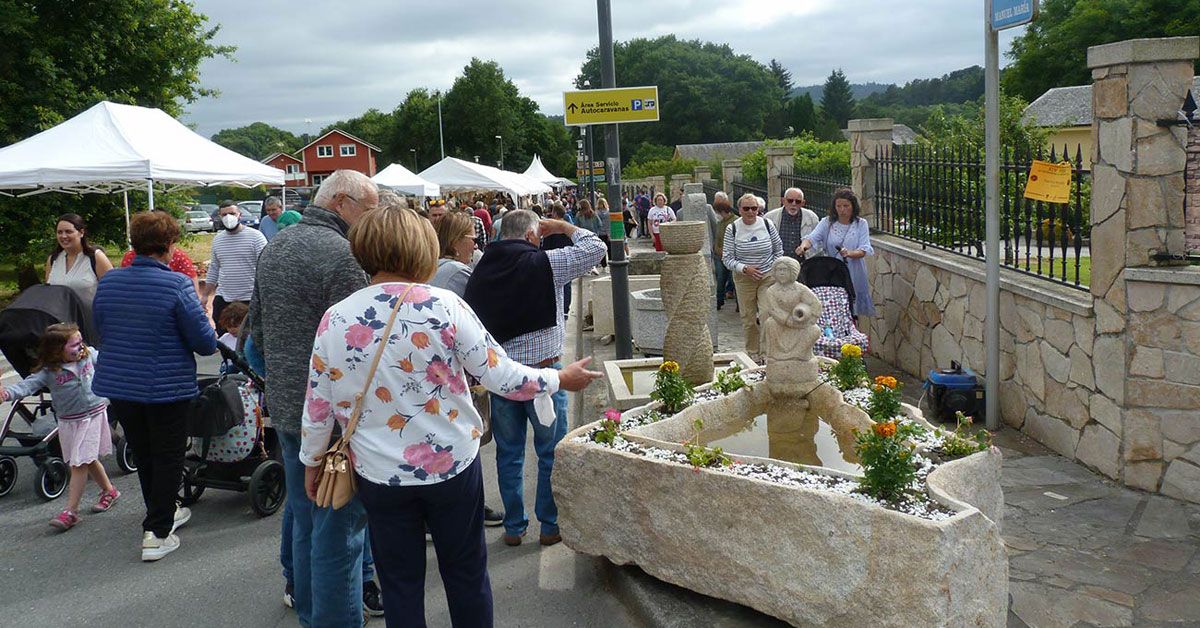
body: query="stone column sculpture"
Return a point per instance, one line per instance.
(686, 287)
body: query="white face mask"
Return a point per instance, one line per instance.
(230, 221)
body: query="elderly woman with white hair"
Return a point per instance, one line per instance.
(750, 248)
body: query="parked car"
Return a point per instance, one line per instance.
(251, 213)
(196, 220)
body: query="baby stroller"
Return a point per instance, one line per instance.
(21, 326)
(829, 279)
(232, 446)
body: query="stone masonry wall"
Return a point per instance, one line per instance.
(1192, 175)
(931, 310)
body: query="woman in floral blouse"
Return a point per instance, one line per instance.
(415, 448)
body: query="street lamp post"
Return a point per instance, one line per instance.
(414, 156)
(501, 138)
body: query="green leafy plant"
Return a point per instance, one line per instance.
(671, 389)
(610, 426)
(956, 444)
(887, 461)
(884, 404)
(729, 380)
(850, 371)
(700, 456)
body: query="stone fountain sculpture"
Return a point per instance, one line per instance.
(790, 331)
(686, 294)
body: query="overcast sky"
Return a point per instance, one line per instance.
(323, 61)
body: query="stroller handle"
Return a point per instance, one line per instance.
(240, 362)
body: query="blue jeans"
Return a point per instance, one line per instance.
(327, 551)
(285, 549)
(510, 420)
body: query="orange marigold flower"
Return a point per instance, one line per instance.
(851, 351)
(433, 406)
(887, 381)
(420, 340)
(886, 429)
(669, 366)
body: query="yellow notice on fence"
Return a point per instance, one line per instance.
(1049, 182)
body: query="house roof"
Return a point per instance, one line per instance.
(1070, 106)
(709, 152)
(341, 132)
(272, 156)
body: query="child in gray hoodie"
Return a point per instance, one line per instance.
(65, 366)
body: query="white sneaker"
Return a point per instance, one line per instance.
(182, 515)
(154, 548)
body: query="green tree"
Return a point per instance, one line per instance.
(837, 101)
(416, 128)
(706, 92)
(60, 58)
(802, 114)
(778, 122)
(482, 104)
(258, 140)
(1052, 52)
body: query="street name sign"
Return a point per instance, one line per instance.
(1010, 13)
(610, 106)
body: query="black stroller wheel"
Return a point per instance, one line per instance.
(8, 474)
(51, 480)
(124, 455)
(267, 488)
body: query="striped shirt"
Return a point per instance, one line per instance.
(234, 260)
(756, 244)
(566, 264)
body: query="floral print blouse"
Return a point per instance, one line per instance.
(418, 425)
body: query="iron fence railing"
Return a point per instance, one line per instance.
(710, 188)
(935, 196)
(818, 187)
(742, 187)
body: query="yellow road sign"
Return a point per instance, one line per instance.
(611, 106)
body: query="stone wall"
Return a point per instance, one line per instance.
(932, 307)
(1192, 215)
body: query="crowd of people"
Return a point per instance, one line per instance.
(407, 326)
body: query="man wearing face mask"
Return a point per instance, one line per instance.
(231, 269)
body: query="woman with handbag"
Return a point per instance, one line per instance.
(151, 323)
(390, 364)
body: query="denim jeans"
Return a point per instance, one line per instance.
(510, 420)
(327, 551)
(285, 549)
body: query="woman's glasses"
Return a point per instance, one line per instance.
(749, 209)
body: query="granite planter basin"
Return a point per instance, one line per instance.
(791, 540)
(630, 381)
(650, 321)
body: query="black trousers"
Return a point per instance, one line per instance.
(453, 510)
(158, 434)
(220, 304)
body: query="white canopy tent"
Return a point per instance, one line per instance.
(116, 148)
(538, 171)
(456, 175)
(403, 180)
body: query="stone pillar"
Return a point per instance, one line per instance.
(656, 184)
(687, 297)
(731, 170)
(702, 174)
(779, 161)
(1137, 211)
(1192, 175)
(867, 136)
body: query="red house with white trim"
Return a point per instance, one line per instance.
(336, 150)
(292, 167)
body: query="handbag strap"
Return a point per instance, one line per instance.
(352, 424)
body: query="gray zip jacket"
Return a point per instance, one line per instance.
(304, 270)
(70, 388)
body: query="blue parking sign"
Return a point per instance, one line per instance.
(637, 104)
(1010, 13)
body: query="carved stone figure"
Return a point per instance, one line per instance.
(790, 331)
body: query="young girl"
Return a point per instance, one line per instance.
(66, 366)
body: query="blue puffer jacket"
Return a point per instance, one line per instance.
(150, 322)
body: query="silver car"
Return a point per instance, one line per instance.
(194, 221)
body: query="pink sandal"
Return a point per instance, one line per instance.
(106, 500)
(65, 520)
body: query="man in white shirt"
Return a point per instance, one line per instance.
(233, 264)
(794, 221)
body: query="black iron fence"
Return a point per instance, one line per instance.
(935, 196)
(742, 187)
(818, 187)
(711, 188)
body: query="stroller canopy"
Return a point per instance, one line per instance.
(821, 271)
(38, 307)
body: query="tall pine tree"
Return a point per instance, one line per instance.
(837, 101)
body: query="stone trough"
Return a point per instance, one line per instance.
(808, 555)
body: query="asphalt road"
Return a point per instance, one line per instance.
(226, 572)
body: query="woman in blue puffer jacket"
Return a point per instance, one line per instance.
(151, 323)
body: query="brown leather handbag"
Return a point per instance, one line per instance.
(335, 474)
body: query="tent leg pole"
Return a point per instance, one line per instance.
(150, 188)
(128, 241)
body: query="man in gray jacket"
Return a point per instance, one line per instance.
(304, 270)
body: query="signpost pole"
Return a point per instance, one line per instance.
(992, 216)
(612, 146)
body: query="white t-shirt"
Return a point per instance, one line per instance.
(659, 215)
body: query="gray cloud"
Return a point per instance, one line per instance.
(299, 61)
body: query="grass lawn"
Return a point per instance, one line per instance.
(1085, 269)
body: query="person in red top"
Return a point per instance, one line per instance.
(482, 213)
(180, 263)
